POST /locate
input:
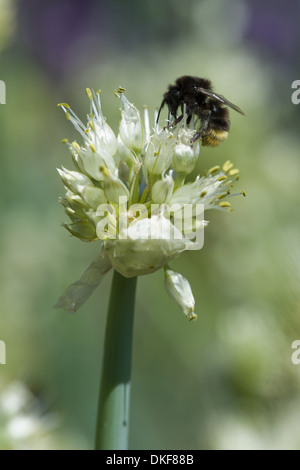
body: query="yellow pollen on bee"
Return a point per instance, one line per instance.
(220, 134)
(93, 148)
(214, 137)
(214, 169)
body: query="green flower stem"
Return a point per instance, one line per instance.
(114, 399)
(179, 181)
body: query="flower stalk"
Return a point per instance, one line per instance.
(112, 427)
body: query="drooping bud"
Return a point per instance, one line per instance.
(179, 289)
(78, 292)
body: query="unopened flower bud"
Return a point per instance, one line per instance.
(124, 172)
(98, 129)
(93, 196)
(159, 152)
(124, 152)
(74, 180)
(184, 159)
(84, 230)
(114, 188)
(74, 199)
(73, 204)
(179, 290)
(104, 133)
(162, 190)
(92, 158)
(131, 130)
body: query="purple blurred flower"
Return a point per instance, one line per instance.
(58, 33)
(274, 25)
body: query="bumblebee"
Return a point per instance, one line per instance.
(195, 98)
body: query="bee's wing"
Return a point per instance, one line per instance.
(220, 98)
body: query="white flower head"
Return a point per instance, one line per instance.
(129, 193)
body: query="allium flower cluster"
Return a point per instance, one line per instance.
(129, 193)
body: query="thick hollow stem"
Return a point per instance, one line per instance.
(114, 399)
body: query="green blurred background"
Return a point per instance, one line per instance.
(226, 381)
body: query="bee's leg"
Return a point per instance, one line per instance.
(177, 120)
(196, 137)
(203, 128)
(170, 115)
(174, 123)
